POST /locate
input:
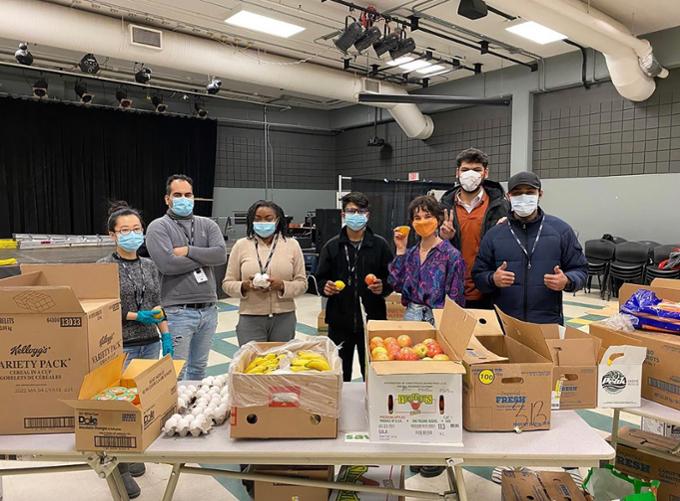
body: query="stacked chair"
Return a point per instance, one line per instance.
(630, 262)
(599, 254)
(660, 253)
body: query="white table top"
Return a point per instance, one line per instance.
(655, 411)
(570, 442)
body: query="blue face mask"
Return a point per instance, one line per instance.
(182, 206)
(131, 242)
(356, 221)
(264, 229)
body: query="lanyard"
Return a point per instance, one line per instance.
(352, 266)
(139, 293)
(524, 249)
(263, 269)
(189, 238)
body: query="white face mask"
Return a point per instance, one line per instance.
(470, 180)
(524, 205)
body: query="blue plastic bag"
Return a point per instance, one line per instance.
(652, 313)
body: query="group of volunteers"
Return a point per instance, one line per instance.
(478, 246)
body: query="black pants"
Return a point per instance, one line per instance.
(486, 303)
(346, 341)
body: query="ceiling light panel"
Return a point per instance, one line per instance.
(401, 60)
(536, 32)
(418, 64)
(263, 24)
(435, 68)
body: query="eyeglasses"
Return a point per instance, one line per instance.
(356, 211)
(137, 231)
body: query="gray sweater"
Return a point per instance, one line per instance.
(178, 283)
(132, 275)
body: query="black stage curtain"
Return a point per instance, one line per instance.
(60, 164)
(389, 202)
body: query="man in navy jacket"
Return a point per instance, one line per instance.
(527, 262)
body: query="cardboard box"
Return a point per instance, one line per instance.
(269, 491)
(57, 323)
(419, 401)
(321, 325)
(619, 377)
(660, 428)
(487, 322)
(374, 476)
(395, 310)
(509, 380)
(288, 398)
(647, 465)
(540, 486)
(115, 425)
(660, 377)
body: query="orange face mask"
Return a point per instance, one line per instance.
(425, 227)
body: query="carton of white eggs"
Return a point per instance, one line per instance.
(199, 408)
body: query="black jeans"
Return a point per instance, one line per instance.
(346, 341)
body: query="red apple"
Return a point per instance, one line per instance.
(421, 350)
(404, 340)
(415, 405)
(390, 340)
(407, 353)
(427, 341)
(393, 351)
(441, 356)
(434, 349)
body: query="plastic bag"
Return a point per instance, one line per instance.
(609, 484)
(621, 322)
(317, 392)
(652, 313)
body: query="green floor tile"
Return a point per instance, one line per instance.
(602, 422)
(217, 370)
(594, 318)
(224, 348)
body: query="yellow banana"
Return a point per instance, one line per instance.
(319, 365)
(310, 355)
(299, 368)
(257, 361)
(300, 361)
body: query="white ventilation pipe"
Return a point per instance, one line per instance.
(630, 60)
(66, 28)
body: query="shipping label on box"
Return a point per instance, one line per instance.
(540, 486)
(660, 428)
(619, 376)
(374, 476)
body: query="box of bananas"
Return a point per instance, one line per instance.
(285, 390)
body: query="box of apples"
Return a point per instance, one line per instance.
(402, 348)
(414, 378)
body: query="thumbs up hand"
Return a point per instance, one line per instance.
(556, 281)
(502, 277)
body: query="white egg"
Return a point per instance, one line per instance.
(208, 380)
(190, 388)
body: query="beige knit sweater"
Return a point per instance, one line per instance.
(287, 264)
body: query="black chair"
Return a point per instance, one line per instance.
(619, 240)
(630, 260)
(599, 254)
(660, 253)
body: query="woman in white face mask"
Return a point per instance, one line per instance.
(266, 270)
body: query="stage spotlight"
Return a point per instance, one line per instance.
(88, 64)
(369, 37)
(123, 101)
(472, 9)
(143, 76)
(81, 91)
(352, 32)
(387, 43)
(200, 112)
(214, 86)
(158, 104)
(40, 88)
(405, 46)
(23, 55)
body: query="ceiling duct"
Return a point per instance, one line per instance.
(106, 36)
(630, 60)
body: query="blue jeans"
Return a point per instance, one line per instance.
(151, 351)
(192, 335)
(419, 312)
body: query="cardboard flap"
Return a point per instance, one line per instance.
(395, 328)
(102, 405)
(487, 323)
(393, 367)
(573, 352)
(39, 299)
(101, 378)
(457, 326)
(477, 353)
(88, 281)
(154, 381)
(648, 440)
(531, 335)
(609, 337)
(22, 280)
(624, 355)
(137, 366)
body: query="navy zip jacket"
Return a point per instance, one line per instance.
(528, 298)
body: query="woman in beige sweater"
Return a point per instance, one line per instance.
(266, 270)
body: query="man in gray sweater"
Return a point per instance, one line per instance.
(185, 247)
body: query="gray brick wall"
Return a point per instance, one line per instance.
(301, 159)
(487, 128)
(595, 132)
